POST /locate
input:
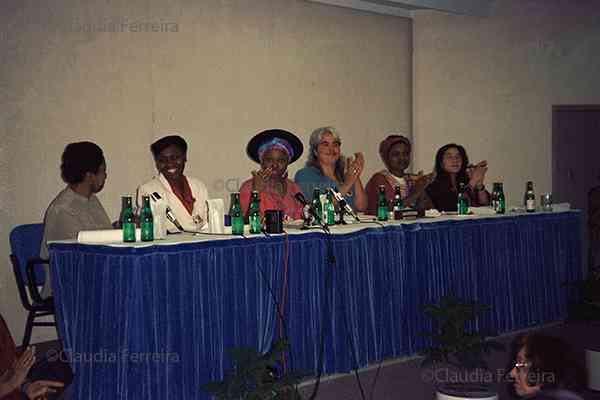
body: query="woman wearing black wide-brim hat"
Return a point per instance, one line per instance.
(274, 150)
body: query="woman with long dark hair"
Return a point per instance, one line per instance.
(452, 169)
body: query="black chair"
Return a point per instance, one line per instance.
(25, 243)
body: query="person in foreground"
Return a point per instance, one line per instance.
(76, 208)
(274, 150)
(452, 169)
(326, 167)
(186, 196)
(395, 152)
(14, 384)
(543, 369)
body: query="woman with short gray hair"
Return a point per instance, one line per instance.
(326, 167)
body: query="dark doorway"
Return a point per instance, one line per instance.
(575, 156)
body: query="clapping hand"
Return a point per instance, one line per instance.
(421, 181)
(476, 173)
(354, 168)
(20, 367)
(261, 177)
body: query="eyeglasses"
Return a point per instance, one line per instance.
(522, 365)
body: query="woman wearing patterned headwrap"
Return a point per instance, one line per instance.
(395, 153)
(274, 150)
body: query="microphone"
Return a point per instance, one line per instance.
(308, 212)
(301, 199)
(343, 203)
(170, 216)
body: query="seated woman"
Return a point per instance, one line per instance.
(395, 153)
(544, 369)
(185, 196)
(274, 150)
(326, 167)
(452, 168)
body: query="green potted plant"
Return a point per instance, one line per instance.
(254, 377)
(456, 357)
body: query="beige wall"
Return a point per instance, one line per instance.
(490, 83)
(232, 68)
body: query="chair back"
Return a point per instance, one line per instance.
(25, 241)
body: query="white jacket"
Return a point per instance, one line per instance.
(160, 185)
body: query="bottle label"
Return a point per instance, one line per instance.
(147, 231)
(530, 205)
(501, 206)
(237, 225)
(129, 232)
(462, 206)
(382, 213)
(330, 216)
(255, 224)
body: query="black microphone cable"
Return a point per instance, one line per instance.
(328, 278)
(351, 343)
(231, 235)
(374, 383)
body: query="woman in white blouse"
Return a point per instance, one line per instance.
(185, 196)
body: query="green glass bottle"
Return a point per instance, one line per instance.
(398, 204)
(382, 205)
(147, 220)
(127, 219)
(329, 210)
(237, 217)
(254, 213)
(494, 197)
(317, 206)
(463, 205)
(530, 198)
(501, 208)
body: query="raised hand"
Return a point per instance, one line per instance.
(421, 181)
(261, 177)
(354, 168)
(21, 366)
(360, 162)
(477, 174)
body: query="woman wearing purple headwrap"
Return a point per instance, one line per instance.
(395, 153)
(274, 150)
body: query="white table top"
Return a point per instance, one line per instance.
(294, 229)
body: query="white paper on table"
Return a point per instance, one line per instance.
(105, 236)
(482, 210)
(432, 213)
